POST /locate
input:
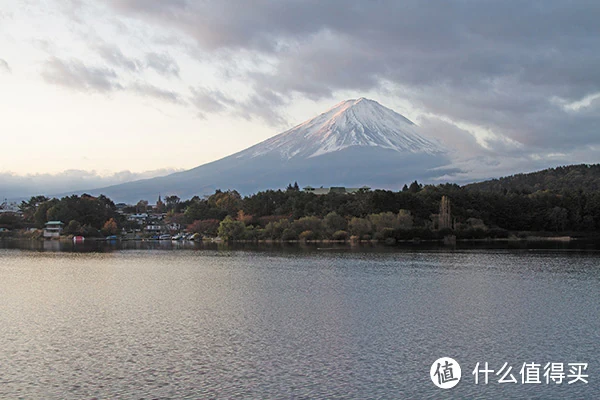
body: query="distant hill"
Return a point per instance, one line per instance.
(568, 178)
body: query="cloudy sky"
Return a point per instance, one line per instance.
(96, 92)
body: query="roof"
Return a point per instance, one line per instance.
(54, 223)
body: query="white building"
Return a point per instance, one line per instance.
(53, 229)
(334, 189)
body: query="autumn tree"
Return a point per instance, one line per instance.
(246, 219)
(206, 227)
(110, 227)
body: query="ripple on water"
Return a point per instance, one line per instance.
(198, 324)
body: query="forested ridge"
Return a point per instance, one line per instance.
(563, 200)
(584, 177)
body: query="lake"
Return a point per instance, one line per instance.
(364, 322)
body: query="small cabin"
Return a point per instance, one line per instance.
(53, 229)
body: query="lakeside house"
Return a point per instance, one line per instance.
(53, 229)
(334, 189)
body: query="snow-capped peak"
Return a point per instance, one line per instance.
(356, 122)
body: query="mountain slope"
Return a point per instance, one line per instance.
(355, 143)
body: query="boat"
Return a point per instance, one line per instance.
(193, 236)
(164, 237)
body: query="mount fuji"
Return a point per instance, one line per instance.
(356, 143)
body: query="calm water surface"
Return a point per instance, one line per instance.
(276, 323)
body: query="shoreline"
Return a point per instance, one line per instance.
(445, 240)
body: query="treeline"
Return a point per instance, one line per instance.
(384, 227)
(473, 213)
(292, 214)
(83, 215)
(583, 177)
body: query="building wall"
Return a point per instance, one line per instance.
(51, 233)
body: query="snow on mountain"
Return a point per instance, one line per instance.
(356, 122)
(355, 143)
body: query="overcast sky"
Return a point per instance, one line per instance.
(155, 85)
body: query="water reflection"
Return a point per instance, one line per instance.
(103, 246)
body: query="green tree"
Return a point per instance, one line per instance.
(312, 224)
(62, 211)
(10, 221)
(230, 229)
(29, 208)
(229, 201)
(40, 217)
(334, 222)
(289, 234)
(172, 201)
(360, 227)
(405, 219)
(141, 206)
(73, 228)
(558, 217)
(415, 187)
(274, 229)
(384, 220)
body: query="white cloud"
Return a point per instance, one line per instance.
(514, 89)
